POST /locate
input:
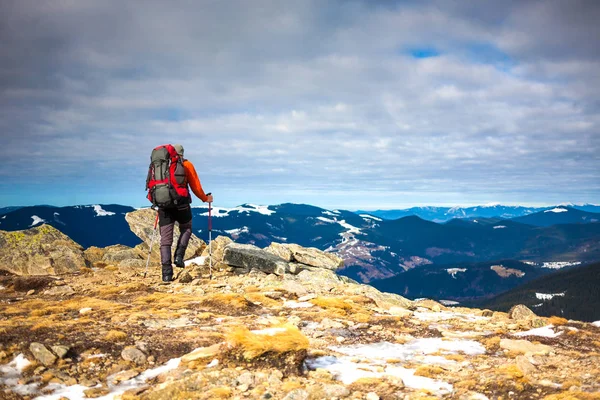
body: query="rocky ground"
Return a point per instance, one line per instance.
(276, 324)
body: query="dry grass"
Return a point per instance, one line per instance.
(331, 302)
(226, 301)
(429, 371)
(115, 336)
(290, 385)
(455, 357)
(108, 290)
(466, 384)
(511, 371)
(253, 345)
(168, 300)
(491, 344)
(262, 299)
(573, 396)
(557, 321)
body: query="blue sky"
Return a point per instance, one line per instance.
(342, 104)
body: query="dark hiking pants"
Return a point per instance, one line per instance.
(166, 220)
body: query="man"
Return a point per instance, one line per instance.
(182, 214)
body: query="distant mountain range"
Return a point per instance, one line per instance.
(443, 214)
(413, 252)
(574, 293)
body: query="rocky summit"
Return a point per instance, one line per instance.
(272, 323)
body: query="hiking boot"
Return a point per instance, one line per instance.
(179, 253)
(167, 273)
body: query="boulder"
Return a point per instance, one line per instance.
(306, 255)
(382, 299)
(117, 253)
(521, 312)
(60, 350)
(42, 354)
(322, 280)
(247, 256)
(217, 247)
(42, 250)
(280, 250)
(93, 254)
(525, 347)
(134, 355)
(141, 222)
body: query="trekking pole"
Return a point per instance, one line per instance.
(210, 236)
(151, 243)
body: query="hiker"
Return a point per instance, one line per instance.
(180, 212)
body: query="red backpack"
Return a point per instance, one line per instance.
(166, 183)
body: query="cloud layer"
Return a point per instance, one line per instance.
(352, 104)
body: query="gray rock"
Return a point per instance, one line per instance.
(247, 378)
(339, 391)
(294, 287)
(217, 248)
(133, 354)
(60, 351)
(525, 347)
(306, 255)
(385, 300)
(295, 268)
(297, 394)
(372, 396)
(59, 291)
(42, 354)
(320, 278)
(185, 277)
(525, 366)
(117, 253)
(280, 250)
(521, 312)
(42, 250)
(248, 256)
(132, 264)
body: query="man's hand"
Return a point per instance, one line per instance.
(209, 198)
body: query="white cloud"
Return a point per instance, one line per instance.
(325, 97)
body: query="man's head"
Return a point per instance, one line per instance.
(178, 149)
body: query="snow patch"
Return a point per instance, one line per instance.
(559, 264)
(76, 391)
(557, 210)
(218, 212)
(197, 260)
(596, 323)
(544, 296)
(238, 231)
(351, 229)
(333, 214)
(499, 227)
(373, 361)
(367, 217)
(11, 373)
(36, 220)
(449, 302)
(100, 212)
(454, 271)
(330, 221)
(545, 331)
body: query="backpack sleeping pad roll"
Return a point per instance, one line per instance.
(166, 183)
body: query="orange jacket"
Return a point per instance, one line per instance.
(192, 178)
